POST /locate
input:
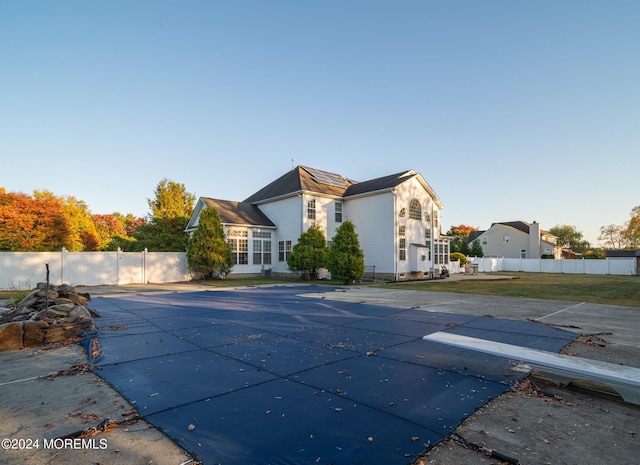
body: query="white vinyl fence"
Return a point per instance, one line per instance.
(23, 270)
(618, 266)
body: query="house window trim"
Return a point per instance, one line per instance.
(311, 209)
(338, 212)
(415, 210)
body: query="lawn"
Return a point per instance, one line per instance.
(602, 289)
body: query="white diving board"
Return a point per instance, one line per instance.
(563, 369)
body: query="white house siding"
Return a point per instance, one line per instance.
(287, 214)
(325, 214)
(503, 241)
(414, 228)
(373, 218)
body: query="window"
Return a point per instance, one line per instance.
(402, 249)
(505, 238)
(401, 230)
(523, 253)
(485, 240)
(257, 252)
(261, 247)
(311, 209)
(436, 220)
(240, 251)
(239, 245)
(441, 252)
(338, 207)
(402, 212)
(415, 210)
(284, 249)
(427, 241)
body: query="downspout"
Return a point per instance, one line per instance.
(433, 239)
(395, 239)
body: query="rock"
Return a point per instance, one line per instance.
(79, 312)
(11, 336)
(64, 308)
(65, 290)
(47, 315)
(77, 298)
(51, 294)
(29, 300)
(34, 333)
(94, 313)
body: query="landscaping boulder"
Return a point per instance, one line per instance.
(11, 336)
(47, 315)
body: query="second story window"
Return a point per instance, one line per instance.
(311, 209)
(338, 206)
(415, 210)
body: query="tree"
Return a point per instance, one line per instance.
(570, 238)
(612, 236)
(170, 211)
(460, 238)
(632, 231)
(162, 235)
(208, 253)
(476, 248)
(345, 259)
(171, 201)
(29, 224)
(310, 253)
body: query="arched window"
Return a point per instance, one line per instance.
(415, 210)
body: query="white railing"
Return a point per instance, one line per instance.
(23, 270)
(617, 266)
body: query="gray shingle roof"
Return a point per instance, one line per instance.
(307, 179)
(238, 212)
(378, 184)
(297, 180)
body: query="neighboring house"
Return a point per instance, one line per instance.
(517, 239)
(396, 218)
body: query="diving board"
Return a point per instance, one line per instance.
(563, 369)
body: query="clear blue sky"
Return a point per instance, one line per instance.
(510, 110)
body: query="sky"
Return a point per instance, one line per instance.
(510, 110)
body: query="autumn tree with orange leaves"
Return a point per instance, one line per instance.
(29, 224)
(459, 238)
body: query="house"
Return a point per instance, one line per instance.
(517, 239)
(396, 217)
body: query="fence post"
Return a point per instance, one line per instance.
(118, 266)
(144, 266)
(62, 252)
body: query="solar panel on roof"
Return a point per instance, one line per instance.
(324, 177)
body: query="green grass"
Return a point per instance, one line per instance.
(615, 290)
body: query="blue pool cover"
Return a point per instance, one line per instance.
(269, 376)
